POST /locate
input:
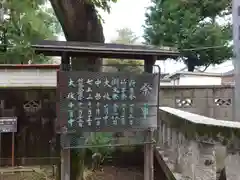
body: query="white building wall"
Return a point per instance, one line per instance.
(48, 78)
(28, 77)
(166, 83)
(200, 80)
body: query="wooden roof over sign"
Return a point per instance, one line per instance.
(57, 48)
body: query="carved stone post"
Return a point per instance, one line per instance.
(169, 136)
(205, 168)
(221, 154)
(173, 155)
(174, 140)
(232, 166)
(188, 157)
(180, 152)
(160, 133)
(164, 135)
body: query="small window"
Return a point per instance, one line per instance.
(238, 10)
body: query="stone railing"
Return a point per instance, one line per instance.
(195, 147)
(210, 101)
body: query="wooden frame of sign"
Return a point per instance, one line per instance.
(77, 49)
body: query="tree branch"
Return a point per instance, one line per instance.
(205, 68)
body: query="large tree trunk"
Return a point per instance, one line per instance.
(79, 22)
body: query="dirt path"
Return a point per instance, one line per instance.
(115, 173)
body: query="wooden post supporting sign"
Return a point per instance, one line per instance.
(65, 153)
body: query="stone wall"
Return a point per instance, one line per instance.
(35, 138)
(210, 101)
(195, 147)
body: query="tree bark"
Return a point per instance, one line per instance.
(79, 22)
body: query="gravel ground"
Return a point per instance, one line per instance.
(114, 173)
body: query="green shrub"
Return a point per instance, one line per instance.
(101, 142)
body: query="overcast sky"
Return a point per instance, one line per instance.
(125, 13)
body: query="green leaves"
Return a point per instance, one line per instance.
(101, 139)
(190, 24)
(104, 5)
(24, 22)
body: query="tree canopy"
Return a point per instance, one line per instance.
(21, 23)
(26, 21)
(126, 36)
(193, 27)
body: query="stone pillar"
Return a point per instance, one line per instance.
(160, 133)
(180, 151)
(173, 155)
(196, 161)
(174, 139)
(205, 168)
(188, 154)
(232, 166)
(169, 136)
(221, 154)
(181, 138)
(164, 134)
